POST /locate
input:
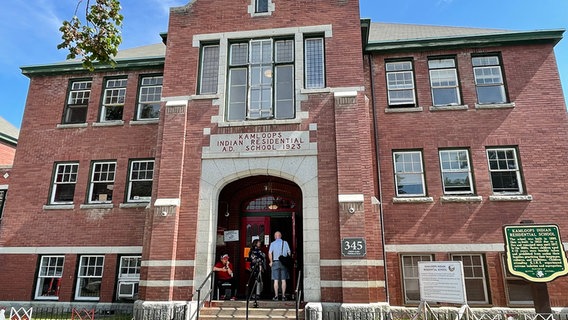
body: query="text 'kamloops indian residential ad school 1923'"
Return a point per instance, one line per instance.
(371, 147)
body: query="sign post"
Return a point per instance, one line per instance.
(535, 253)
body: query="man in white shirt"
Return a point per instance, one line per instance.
(280, 273)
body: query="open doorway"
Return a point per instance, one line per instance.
(254, 208)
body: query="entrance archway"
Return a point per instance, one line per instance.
(254, 208)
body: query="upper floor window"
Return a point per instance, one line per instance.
(261, 80)
(475, 277)
(49, 277)
(400, 84)
(209, 76)
(410, 279)
(444, 82)
(504, 170)
(409, 174)
(64, 182)
(113, 100)
(488, 79)
(2, 200)
(89, 277)
(77, 102)
(140, 180)
(261, 6)
(149, 97)
(314, 63)
(102, 182)
(129, 277)
(456, 172)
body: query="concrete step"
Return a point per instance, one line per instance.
(224, 310)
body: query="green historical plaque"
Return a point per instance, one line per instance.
(535, 252)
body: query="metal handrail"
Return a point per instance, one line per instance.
(298, 293)
(198, 293)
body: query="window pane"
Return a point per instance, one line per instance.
(284, 77)
(150, 97)
(239, 54)
(77, 102)
(209, 69)
(284, 51)
(488, 80)
(261, 6)
(237, 94)
(314, 63)
(140, 184)
(504, 170)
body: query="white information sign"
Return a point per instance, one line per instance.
(442, 281)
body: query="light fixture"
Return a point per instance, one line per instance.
(273, 206)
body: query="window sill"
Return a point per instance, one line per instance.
(453, 199)
(495, 106)
(511, 197)
(204, 96)
(413, 200)
(449, 108)
(403, 109)
(71, 125)
(59, 207)
(108, 123)
(143, 122)
(319, 90)
(134, 205)
(258, 122)
(97, 206)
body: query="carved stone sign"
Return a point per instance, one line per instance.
(260, 142)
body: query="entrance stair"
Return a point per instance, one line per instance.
(227, 310)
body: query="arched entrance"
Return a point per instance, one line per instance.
(254, 208)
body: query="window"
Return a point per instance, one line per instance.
(400, 84)
(474, 276)
(209, 77)
(411, 287)
(488, 80)
(89, 278)
(77, 102)
(456, 172)
(2, 201)
(261, 80)
(149, 98)
(64, 181)
(408, 174)
(261, 6)
(113, 100)
(504, 170)
(314, 63)
(129, 277)
(102, 182)
(518, 290)
(444, 82)
(49, 277)
(140, 182)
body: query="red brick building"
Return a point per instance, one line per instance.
(369, 146)
(8, 142)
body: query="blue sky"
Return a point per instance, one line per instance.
(29, 30)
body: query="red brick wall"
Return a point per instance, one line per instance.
(7, 154)
(537, 125)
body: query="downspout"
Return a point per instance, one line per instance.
(376, 134)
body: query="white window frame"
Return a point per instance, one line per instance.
(444, 77)
(65, 174)
(488, 73)
(129, 274)
(473, 272)
(398, 75)
(408, 166)
(140, 176)
(77, 100)
(97, 168)
(90, 270)
(410, 274)
(3, 194)
(314, 63)
(503, 165)
(114, 97)
(50, 269)
(263, 99)
(209, 73)
(451, 162)
(150, 93)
